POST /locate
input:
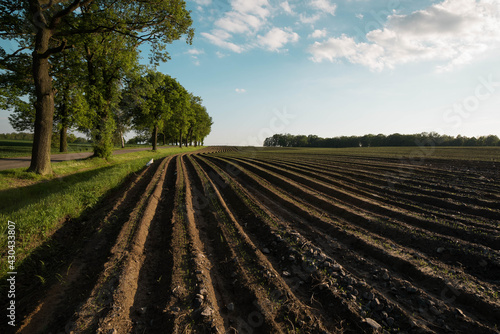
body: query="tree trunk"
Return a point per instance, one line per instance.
(122, 138)
(104, 126)
(44, 106)
(155, 137)
(63, 140)
(180, 140)
(191, 137)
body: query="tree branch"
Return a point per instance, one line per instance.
(79, 32)
(13, 54)
(66, 11)
(58, 49)
(47, 6)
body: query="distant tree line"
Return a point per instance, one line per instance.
(396, 139)
(16, 136)
(71, 138)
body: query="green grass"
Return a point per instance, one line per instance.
(38, 208)
(15, 148)
(22, 148)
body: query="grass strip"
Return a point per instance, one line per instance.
(38, 209)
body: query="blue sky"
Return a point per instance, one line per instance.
(345, 67)
(342, 67)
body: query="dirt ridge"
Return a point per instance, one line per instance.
(233, 240)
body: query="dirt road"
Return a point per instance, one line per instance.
(19, 162)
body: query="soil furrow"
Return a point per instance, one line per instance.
(125, 272)
(256, 225)
(268, 240)
(397, 262)
(148, 312)
(457, 184)
(471, 254)
(413, 200)
(242, 259)
(324, 284)
(89, 240)
(457, 202)
(377, 205)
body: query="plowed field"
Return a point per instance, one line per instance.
(274, 241)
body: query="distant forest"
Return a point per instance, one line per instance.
(380, 140)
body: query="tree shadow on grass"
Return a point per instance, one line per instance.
(16, 198)
(49, 264)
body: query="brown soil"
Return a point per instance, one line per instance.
(230, 241)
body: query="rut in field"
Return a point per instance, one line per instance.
(250, 241)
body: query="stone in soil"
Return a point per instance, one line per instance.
(434, 311)
(375, 325)
(411, 290)
(336, 267)
(207, 312)
(368, 295)
(198, 301)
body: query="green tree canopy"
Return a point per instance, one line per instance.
(42, 28)
(151, 100)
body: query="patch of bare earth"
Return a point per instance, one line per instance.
(235, 241)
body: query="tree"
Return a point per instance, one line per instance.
(200, 122)
(17, 91)
(158, 22)
(180, 105)
(150, 100)
(109, 58)
(122, 121)
(491, 140)
(69, 99)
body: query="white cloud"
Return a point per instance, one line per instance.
(240, 90)
(257, 7)
(203, 2)
(453, 31)
(360, 16)
(219, 38)
(220, 54)
(324, 5)
(245, 18)
(195, 52)
(319, 9)
(309, 19)
(286, 7)
(345, 47)
(318, 34)
(194, 55)
(236, 22)
(276, 38)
